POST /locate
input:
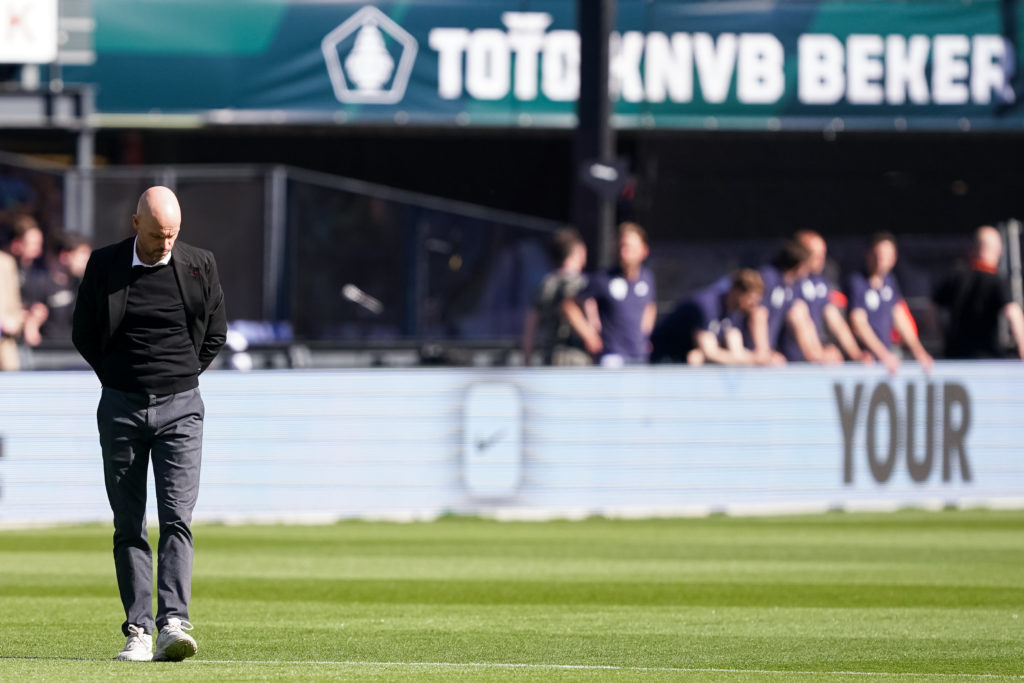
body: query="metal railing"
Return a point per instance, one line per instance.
(326, 259)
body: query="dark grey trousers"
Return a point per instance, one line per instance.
(133, 428)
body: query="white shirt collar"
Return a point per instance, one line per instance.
(136, 261)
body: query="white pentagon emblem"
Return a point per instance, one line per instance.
(886, 293)
(822, 290)
(871, 300)
(618, 288)
(641, 289)
(808, 290)
(778, 297)
(369, 58)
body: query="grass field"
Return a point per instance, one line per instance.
(905, 596)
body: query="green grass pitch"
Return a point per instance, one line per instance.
(907, 596)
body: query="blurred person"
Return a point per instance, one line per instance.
(26, 245)
(618, 309)
(975, 298)
(718, 324)
(149, 319)
(65, 276)
(16, 197)
(547, 326)
(825, 303)
(27, 249)
(791, 330)
(877, 306)
(11, 315)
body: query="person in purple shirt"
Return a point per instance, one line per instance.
(825, 304)
(877, 306)
(717, 324)
(619, 304)
(790, 328)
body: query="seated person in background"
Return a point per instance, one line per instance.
(65, 276)
(825, 304)
(975, 298)
(717, 325)
(27, 249)
(618, 304)
(790, 328)
(547, 327)
(876, 306)
(12, 317)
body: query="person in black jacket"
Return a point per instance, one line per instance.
(976, 297)
(149, 319)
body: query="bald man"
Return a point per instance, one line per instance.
(823, 300)
(976, 298)
(149, 319)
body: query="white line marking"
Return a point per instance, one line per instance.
(606, 667)
(556, 667)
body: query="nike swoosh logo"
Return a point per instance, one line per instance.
(486, 443)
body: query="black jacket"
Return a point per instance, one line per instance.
(103, 294)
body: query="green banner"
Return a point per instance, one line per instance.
(800, 64)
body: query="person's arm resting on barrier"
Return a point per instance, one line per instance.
(905, 327)
(1015, 317)
(862, 328)
(842, 333)
(590, 336)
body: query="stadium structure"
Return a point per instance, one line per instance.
(380, 179)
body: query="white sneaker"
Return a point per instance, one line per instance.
(172, 643)
(139, 647)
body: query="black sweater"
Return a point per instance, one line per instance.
(151, 352)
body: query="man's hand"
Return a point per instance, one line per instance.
(925, 359)
(891, 361)
(831, 354)
(35, 316)
(592, 340)
(770, 358)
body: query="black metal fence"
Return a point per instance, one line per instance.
(332, 262)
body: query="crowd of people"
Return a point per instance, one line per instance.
(38, 286)
(785, 311)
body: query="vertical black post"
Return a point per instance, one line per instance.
(592, 214)
(85, 150)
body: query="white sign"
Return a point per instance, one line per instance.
(527, 61)
(545, 442)
(492, 428)
(28, 31)
(360, 60)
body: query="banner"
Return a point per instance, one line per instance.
(802, 64)
(542, 443)
(28, 31)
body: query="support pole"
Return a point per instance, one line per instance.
(84, 153)
(592, 214)
(275, 229)
(1013, 230)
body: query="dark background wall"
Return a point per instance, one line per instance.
(689, 186)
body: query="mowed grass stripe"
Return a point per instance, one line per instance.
(482, 592)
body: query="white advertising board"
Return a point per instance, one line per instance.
(544, 442)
